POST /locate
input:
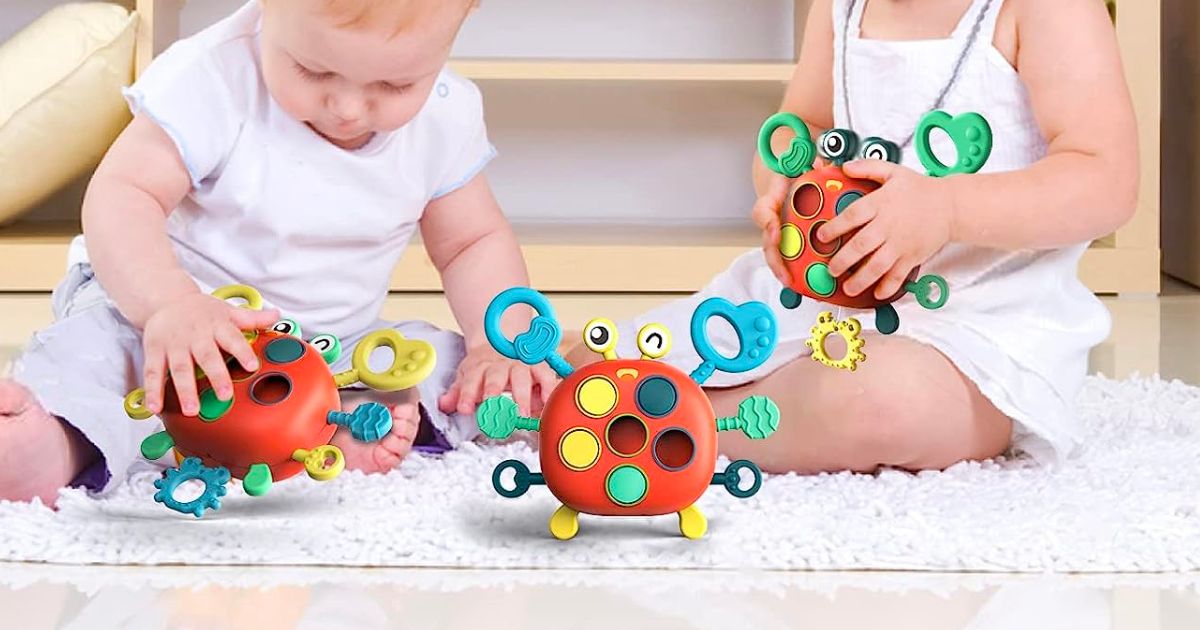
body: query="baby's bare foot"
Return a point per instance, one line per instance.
(38, 453)
(387, 453)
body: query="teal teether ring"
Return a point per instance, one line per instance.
(754, 324)
(972, 136)
(801, 153)
(539, 343)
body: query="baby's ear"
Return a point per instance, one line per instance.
(329, 346)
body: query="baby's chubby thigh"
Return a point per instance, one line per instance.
(80, 369)
(906, 406)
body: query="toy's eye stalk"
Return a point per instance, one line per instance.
(600, 335)
(286, 327)
(839, 145)
(654, 340)
(880, 149)
(329, 346)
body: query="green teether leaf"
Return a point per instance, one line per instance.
(757, 418)
(498, 418)
(258, 480)
(798, 159)
(157, 445)
(972, 137)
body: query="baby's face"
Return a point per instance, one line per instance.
(349, 82)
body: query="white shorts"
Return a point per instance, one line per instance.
(82, 366)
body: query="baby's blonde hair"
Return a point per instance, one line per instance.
(396, 15)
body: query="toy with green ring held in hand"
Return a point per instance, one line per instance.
(281, 416)
(817, 195)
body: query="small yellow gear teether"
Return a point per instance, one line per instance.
(849, 330)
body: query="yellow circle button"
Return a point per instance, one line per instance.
(579, 449)
(596, 396)
(791, 242)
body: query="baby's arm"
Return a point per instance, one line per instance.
(138, 184)
(141, 180)
(1086, 186)
(475, 250)
(809, 93)
(810, 96)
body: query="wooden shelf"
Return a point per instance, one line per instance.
(622, 70)
(572, 259)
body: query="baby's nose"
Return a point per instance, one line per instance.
(347, 107)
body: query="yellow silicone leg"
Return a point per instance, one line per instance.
(692, 523)
(565, 523)
(322, 463)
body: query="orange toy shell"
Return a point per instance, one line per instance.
(677, 451)
(276, 410)
(814, 199)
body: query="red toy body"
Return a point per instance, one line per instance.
(816, 198)
(676, 452)
(280, 417)
(276, 410)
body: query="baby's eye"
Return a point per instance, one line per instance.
(880, 149)
(312, 75)
(838, 145)
(394, 88)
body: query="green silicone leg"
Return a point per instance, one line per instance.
(157, 445)
(757, 418)
(498, 418)
(258, 480)
(790, 299)
(887, 320)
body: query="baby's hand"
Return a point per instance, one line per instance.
(193, 330)
(904, 223)
(483, 373)
(766, 216)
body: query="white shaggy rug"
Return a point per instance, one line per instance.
(1129, 502)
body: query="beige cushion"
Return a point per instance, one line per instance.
(60, 99)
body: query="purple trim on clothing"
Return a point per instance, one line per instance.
(429, 439)
(96, 475)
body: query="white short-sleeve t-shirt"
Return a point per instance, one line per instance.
(315, 228)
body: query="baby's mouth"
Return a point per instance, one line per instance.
(351, 142)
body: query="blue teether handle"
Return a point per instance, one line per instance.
(754, 324)
(539, 343)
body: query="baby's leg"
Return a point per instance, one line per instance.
(389, 451)
(907, 406)
(39, 454)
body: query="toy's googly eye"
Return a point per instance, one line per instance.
(880, 149)
(329, 346)
(654, 340)
(600, 335)
(286, 327)
(838, 145)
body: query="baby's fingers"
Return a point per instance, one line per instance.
(469, 385)
(448, 403)
(546, 380)
(247, 319)
(179, 361)
(522, 389)
(773, 257)
(153, 375)
(230, 339)
(209, 358)
(869, 273)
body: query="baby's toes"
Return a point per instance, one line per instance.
(399, 442)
